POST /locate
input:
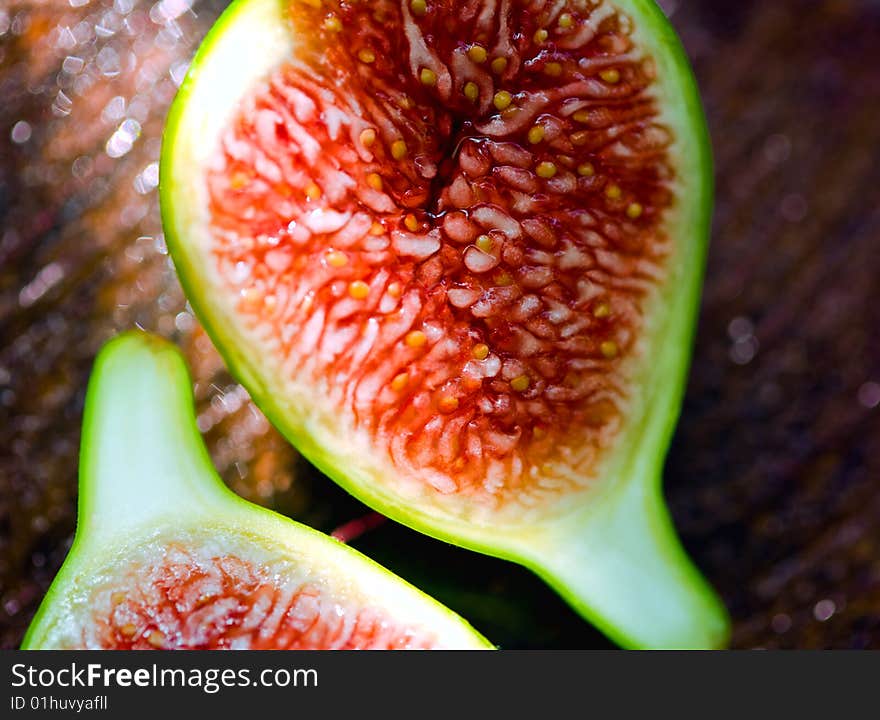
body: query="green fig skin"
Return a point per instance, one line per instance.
(147, 483)
(615, 556)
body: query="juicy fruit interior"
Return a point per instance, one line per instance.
(448, 216)
(198, 593)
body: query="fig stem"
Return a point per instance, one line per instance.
(624, 568)
(142, 456)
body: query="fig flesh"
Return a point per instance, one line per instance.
(166, 557)
(454, 251)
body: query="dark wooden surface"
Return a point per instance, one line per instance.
(774, 474)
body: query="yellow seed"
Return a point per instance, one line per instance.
(499, 65)
(205, 598)
(395, 289)
(553, 69)
(156, 638)
(332, 23)
(377, 228)
(484, 242)
(337, 259)
(405, 102)
(415, 339)
(602, 310)
(128, 630)
(586, 169)
(539, 432)
(503, 278)
(634, 211)
(239, 180)
(428, 77)
(580, 137)
(313, 192)
(539, 36)
(471, 91)
(502, 100)
(398, 149)
(366, 55)
(609, 349)
(448, 404)
(359, 290)
(520, 383)
(546, 169)
(565, 20)
(581, 116)
(418, 7)
(251, 298)
(400, 381)
(477, 53)
(613, 192)
(117, 598)
(368, 137)
(374, 181)
(610, 75)
(536, 134)
(480, 351)
(411, 222)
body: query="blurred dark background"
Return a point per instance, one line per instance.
(774, 473)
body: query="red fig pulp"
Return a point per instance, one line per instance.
(449, 215)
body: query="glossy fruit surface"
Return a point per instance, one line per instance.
(454, 252)
(166, 557)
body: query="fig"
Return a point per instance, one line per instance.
(454, 250)
(167, 557)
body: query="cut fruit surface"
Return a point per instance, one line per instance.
(461, 262)
(454, 252)
(165, 557)
(462, 271)
(191, 593)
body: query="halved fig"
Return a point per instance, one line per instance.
(454, 251)
(166, 557)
